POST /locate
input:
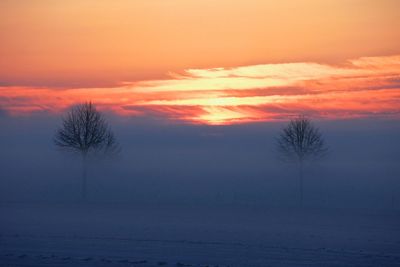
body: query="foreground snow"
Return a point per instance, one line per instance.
(122, 235)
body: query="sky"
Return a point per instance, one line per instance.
(196, 93)
(202, 62)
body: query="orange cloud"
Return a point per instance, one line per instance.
(368, 86)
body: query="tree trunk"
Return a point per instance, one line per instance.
(392, 199)
(301, 183)
(84, 178)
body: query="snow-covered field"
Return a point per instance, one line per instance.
(127, 235)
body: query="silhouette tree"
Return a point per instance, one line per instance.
(84, 131)
(299, 142)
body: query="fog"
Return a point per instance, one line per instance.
(178, 164)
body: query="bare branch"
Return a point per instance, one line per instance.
(85, 131)
(300, 141)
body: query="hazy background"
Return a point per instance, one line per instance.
(183, 192)
(177, 164)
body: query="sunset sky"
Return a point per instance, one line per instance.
(207, 62)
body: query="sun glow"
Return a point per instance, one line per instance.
(360, 87)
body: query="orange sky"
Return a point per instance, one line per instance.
(368, 86)
(158, 57)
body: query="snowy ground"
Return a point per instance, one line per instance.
(123, 235)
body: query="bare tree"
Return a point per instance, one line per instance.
(84, 131)
(299, 142)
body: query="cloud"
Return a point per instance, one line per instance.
(368, 86)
